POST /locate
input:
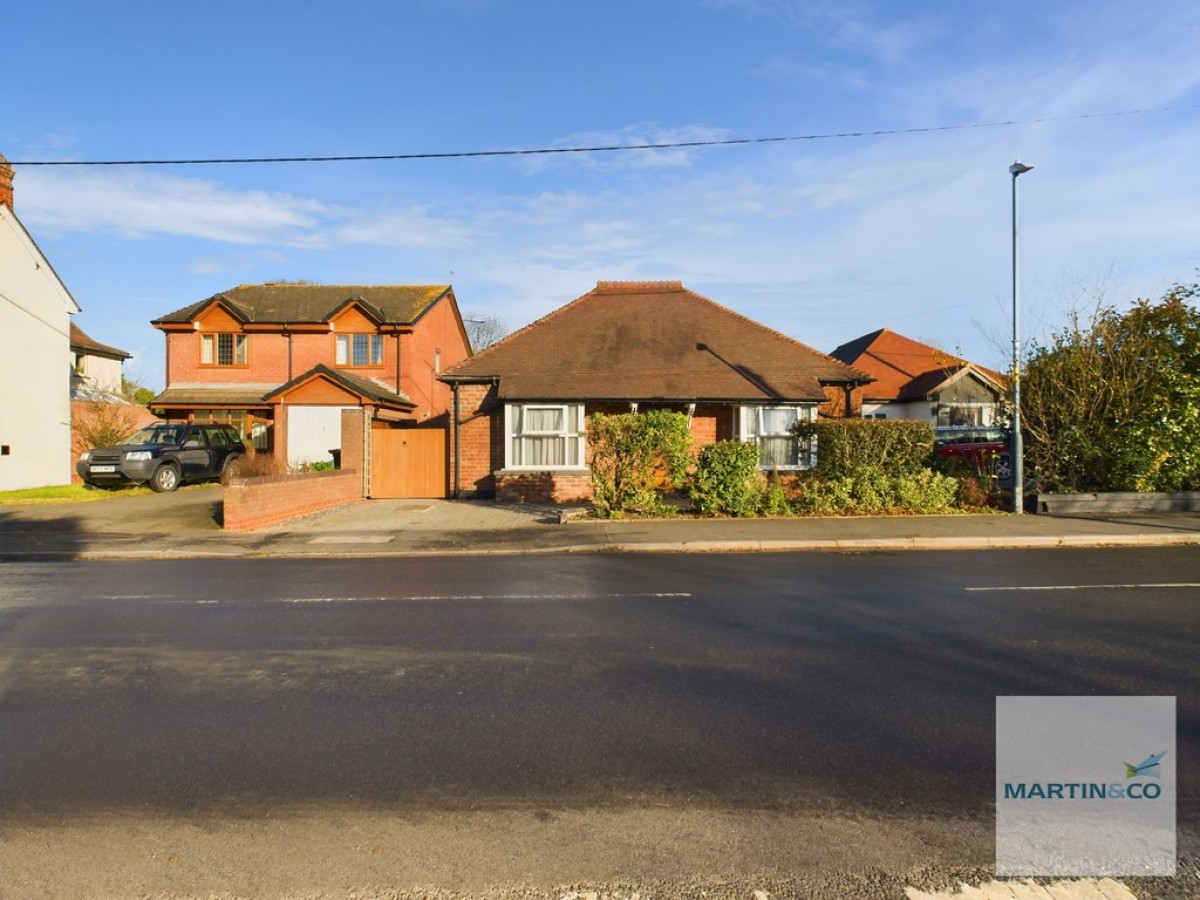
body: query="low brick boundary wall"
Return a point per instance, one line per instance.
(1117, 502)
(270, 499)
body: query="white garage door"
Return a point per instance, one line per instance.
(312, 431)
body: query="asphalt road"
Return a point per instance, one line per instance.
(801, 690)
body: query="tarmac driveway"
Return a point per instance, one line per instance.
(196, 508)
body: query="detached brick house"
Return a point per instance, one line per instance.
(280, 361)
(518, 431)
(916, 381)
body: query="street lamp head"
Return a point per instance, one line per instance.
(1018, 168)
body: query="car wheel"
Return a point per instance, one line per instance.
(1004, 468)
(231, 466)
(165, 478)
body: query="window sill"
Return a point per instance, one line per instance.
(543, 470)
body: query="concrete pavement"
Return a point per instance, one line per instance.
(186, 524)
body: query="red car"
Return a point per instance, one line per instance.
(983, 448)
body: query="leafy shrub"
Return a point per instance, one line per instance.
(971, 494)
(856, 447)
(728, 480)
(924, 491)
(635, 458)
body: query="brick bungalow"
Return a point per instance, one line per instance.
(520, 406)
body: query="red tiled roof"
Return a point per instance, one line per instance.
(649, 341)
(904, 369)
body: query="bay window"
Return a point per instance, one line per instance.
(544, 435)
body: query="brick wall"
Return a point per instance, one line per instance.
(481, 433)
(436, 340)
(354, 449)
(251, 503)
(543, 487)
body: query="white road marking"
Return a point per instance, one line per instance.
(439, 597)
(1089, 587)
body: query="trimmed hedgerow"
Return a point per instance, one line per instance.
(848, 448)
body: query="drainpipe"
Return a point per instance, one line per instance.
(457, 443)
(288, 334)
(397, 364)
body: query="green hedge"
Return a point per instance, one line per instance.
(919, 492)
(850, 448)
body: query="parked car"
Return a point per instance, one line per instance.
(164, 456)
(984, 449)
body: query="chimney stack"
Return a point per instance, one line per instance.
(6, 183)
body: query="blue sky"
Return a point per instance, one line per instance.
(824, 240)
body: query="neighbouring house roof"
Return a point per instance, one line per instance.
(367, 388)
(82, 343)
(906, 370)
(652, 341)
(287, 303)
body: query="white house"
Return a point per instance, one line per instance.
(97, 367)
(35, 365)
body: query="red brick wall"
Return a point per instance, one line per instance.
(481, 433)
(436, 337)
(353, 444)
(252, 503)
(543, 487)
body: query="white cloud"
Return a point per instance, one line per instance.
(136, 203)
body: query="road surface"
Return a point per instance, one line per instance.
(532, 723)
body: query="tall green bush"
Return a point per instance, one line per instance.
(635, 458)
(1112, 403)
(728, 479)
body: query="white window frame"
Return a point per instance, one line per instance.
(345, 350)
(210, 348)
(750, 422)
(572, 435)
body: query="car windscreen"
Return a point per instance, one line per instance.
(155, 434)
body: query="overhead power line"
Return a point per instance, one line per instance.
(601, 148)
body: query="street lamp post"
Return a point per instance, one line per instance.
(1017, 169)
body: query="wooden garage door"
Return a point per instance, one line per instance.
(408, 462)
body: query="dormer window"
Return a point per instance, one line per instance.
(359, 350)
(223, 349)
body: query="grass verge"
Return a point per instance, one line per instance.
(65, 493)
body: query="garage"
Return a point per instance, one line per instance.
(312, 433)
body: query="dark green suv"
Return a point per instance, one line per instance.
(164, 456)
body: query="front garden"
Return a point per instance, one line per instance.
(644, 464)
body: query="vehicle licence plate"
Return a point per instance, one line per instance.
(102, 469)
